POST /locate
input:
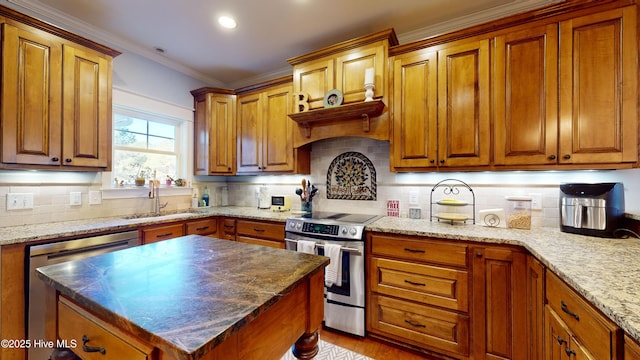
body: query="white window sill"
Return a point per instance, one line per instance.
(128, 192)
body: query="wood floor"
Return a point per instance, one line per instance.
(373, 348)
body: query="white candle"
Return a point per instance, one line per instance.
(368, 76)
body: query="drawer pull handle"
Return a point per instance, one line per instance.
(415, 324)
(163, 235)
(414, 283)
(202, 228)
(565, 308)
(258, 230)
(87, 348)
(228, 226)
(561, 340)
(569, 351)
(414, 250)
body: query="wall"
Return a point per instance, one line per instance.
(489, 187)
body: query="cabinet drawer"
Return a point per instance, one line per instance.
(420, 250)
(159, 233)
(74, 323)
(271, 243)
(260, 229)
(432, 285)
(202, 227)
(598, 334)
(421, 325)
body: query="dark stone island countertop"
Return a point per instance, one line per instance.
(185, 295)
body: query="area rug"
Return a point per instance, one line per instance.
(329, 351)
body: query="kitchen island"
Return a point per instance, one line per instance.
(191, 297)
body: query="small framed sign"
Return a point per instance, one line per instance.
(333, 98)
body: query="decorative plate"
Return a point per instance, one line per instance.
(452, 202)
(452, 216)
(333, 98)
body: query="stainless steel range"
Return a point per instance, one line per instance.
(344, 306)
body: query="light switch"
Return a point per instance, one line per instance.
(19, 201)
(75, 198)
(95, 197)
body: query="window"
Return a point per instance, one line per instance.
(145, 144)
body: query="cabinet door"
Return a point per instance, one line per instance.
(222, 134)
(526, 82)
(350, 69)
(31, 98)
(277, 130)
(86, 108)
(415, 111)
(535, 307)
(598, 82)
(463, 105)
(631, 349)
(499, 303)
(314, 79)
(249, 133)
(556, 336)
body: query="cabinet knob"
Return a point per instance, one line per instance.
(567, 157)
(67, 160)
(442, 161)
(432, 161)
(552, 157)
(55, 159)
(479, 254)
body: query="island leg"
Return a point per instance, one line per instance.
(307, 345)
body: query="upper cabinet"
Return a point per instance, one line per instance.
(441, 106)
(265, 131)
(56, 100)
(555, 88)
(342, 67)
(214, 132)
(599, 88)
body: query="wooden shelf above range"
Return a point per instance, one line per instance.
(361, 110)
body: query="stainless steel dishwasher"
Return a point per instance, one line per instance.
(55, 253)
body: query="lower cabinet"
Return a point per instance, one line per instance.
(499, 306)
(159, 232)
(631, 349)
(574, 329)
(260, 233)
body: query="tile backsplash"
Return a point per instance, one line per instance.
(51, 192)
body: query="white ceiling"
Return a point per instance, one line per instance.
(269, 31)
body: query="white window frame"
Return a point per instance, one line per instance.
(127, 102)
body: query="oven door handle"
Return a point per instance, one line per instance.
(347, 249)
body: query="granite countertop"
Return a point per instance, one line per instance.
(605, 271)
(184, 295)
(88, 227)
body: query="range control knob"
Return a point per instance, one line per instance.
(344, 230)
(353, 231)
(299, 226)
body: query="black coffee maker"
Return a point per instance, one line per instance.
(591, 209)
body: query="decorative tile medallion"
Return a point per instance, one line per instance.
(351, 176)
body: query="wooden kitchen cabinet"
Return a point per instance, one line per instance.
(227, 228)
(575, 328)
(155, 233)
(260, 233)
(342, 67)
(75, 323)
(500, 302)
(631, 349)
(265, 131)
(418, 293)
(599, 88)
(206, 227)
(526, 96)
(56, 111)
(441, 107)
(214, 132)
(535, 308)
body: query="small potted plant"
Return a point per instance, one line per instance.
(180, 182)
(169, 180)
(141, 177)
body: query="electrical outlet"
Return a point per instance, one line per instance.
(414, 198)
(75, 198)
(95, 197)
(536, 201)
(19, 201)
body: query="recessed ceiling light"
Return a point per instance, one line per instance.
(227, 22)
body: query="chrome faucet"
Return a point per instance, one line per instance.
(154, 193)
